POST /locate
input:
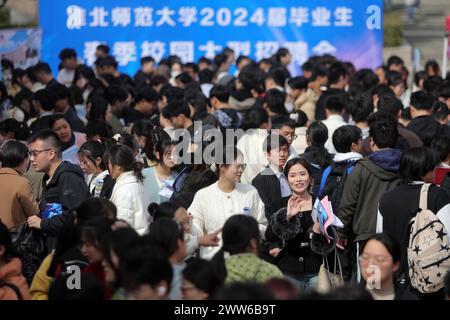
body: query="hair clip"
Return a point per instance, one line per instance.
(117, 137)
(294, 116)
(213, 167)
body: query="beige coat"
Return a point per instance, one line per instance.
(307, 103)
(17, 201)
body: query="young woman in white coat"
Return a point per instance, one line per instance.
(213, 205)
(128, 194)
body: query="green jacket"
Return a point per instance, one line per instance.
(247, 267)
(116, 125)
(359, 204)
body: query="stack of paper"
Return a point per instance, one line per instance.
(323, 212)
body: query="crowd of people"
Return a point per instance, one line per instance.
(94, 184)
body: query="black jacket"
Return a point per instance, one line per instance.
(399, 204)
(68, 188)
(427, 128)
(268, 186)
(370, 179)
(269, 190)
(296, 257)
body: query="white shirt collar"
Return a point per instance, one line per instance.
(339, 157)
(276, 170)
(335, 117)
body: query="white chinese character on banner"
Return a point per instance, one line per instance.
(187, 15)
(76, 17)
(89, 51)
(343, 16)
(143, 17)
(277, 17)
(210, 49)
(298, 50)
(321, 17)
(183, 49)
(125, 52)
(240, 47)
(155, 49)
(324, 47)
(98, 15)
(121, 16)
(165, 14)
(265, 49)
(299, 16)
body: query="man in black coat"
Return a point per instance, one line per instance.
(64, 185)
(423, 124)
(272, 185)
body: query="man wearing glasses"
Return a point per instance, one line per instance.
(64, 188)
(285, 127)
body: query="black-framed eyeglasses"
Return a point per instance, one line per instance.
(35, 153)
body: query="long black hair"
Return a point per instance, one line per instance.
(69, 236)
(122, 155)
(317, 133)
(97, 112)
(119, 242)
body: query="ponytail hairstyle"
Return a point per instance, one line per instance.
(228, 155)
(237, 233)
(152, 139)
(163, 210)
(127, 140)
(122, 155)
(317, 134)
(93, 150)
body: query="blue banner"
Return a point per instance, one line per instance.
(349, 29)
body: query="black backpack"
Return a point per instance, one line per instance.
(332, 182)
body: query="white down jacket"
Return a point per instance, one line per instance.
(131, 201)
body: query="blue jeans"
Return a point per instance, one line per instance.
(306, 282)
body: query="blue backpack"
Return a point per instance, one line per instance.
(332, 182)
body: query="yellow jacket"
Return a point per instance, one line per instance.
(41, 282)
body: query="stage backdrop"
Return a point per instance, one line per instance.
(349, 29)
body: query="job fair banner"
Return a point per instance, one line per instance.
(348, 29)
